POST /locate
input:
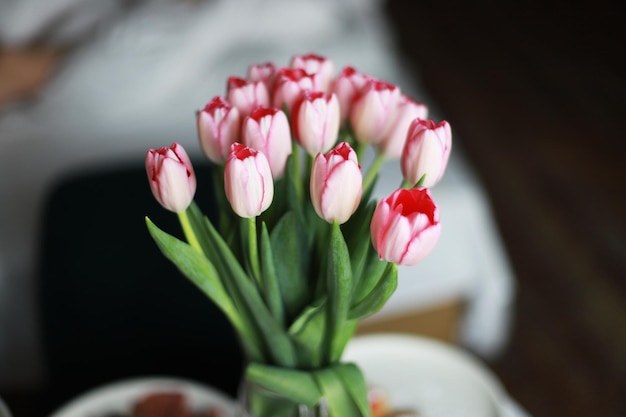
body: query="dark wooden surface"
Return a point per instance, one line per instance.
(537, 101)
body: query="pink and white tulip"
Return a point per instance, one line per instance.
(248, 182)
(426, 152)
(290, 83)
(247, 95)
(265, 72)
(267, 130)
(315, 121)
(219, 126)
(407, 110)
(346, 86)
(319, 66)
(373, 111)
(405, 226)
(171, 177)
(336, 184)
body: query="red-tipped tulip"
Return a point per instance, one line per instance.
(267, 130)
(290, 83)
(405, 226)
(265, 72)
(171, 177)
(319, 66)
(346, 86)
(315, 121)
(247, 95)
(373, 111)
(219, 125)
(407, 110)
(426, 152)
(336, 184)
(248, 181)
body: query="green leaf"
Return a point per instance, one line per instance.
(339, 284)
(300, 386)
(271, 289)
(291, 262)
(199, 270)
(372, 271)
(335, 393)
(377, 298)
(276, 340)
(307, 331)
(354, 381)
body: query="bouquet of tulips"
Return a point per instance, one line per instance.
(300, 251)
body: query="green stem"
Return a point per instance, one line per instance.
(373, 171)
(190, 235)
(254, 251)
(408, 185)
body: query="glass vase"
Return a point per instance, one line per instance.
(256, 401)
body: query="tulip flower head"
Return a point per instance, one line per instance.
(407, 110)
(247, 95)
(405, 226)
(265, 72)
(171, 177)
(336, 183)
(248, 181)
(319, 66)
(219, 125)
(315, 121)
(267, 130)
(346, 86)
(426, 152)
(373, 111)
(290, 83)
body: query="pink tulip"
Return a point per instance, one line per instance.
(171, 177)
(315, 121)
(393, 142)
(290, 83)
(219, 126)
(373, 111)
(405, 226)
(265, 72)
(248, 181)
(247, 95)
(267, 130)
(426, 151)
(347, 84)
(320, 67)
(336, 183)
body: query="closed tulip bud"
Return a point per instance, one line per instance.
(347, 84)
(247, 95)
(267, 130)
(426, 152)
(336, 183)
(266, 73)
(219, 125)
(171, 177)
(315, 121)
(248, 181)
(320, 67)
(290, 83)
(407, 110)
(373, 111)
(405, 226)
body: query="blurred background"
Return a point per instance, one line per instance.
(536, 96)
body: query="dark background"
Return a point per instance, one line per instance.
(536, 96)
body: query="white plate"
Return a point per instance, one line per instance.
(434, 378)
(119, 397)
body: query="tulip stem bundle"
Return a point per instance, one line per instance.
(302, 253)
